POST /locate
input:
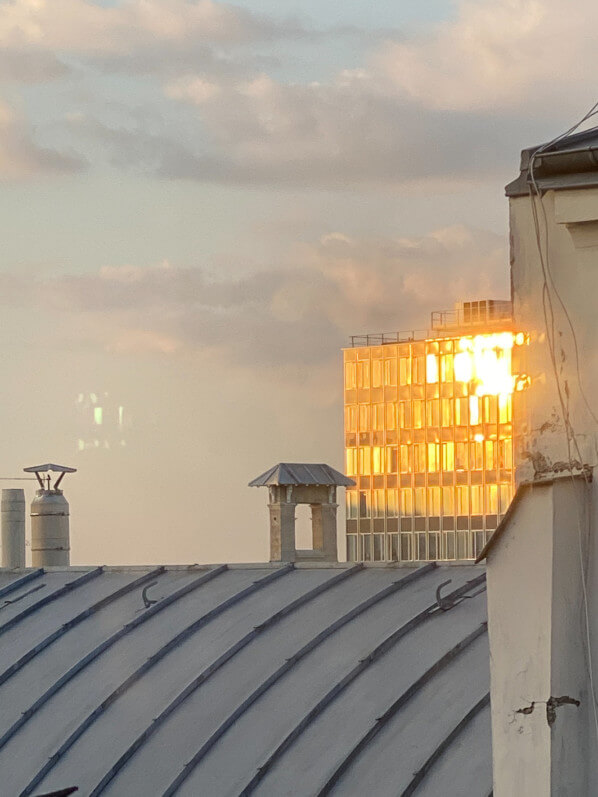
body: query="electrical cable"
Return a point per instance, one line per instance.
(548, 312)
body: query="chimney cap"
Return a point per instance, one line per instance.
(49, 466)
(296, 473)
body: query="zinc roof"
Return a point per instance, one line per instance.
(295, 473)
(236, 680)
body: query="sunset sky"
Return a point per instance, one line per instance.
(201, 201)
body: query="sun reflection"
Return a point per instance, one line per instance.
(484, 361)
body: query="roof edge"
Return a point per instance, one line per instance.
(523, 487)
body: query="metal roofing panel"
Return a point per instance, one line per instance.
(295, 473)
(275, 643)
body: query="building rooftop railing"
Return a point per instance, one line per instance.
(466, 318)
(382, 338)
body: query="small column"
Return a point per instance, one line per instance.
(282, 525)
(13, 528)
(324, 530)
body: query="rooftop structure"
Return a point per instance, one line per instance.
(428, 437)
(295, 483)
(247, 679)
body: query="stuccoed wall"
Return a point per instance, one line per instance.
(571, 241)
(537, 651)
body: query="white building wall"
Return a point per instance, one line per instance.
(537, 651)
(568, 240)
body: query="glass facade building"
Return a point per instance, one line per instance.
(429, 438)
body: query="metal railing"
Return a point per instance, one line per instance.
(384, 338)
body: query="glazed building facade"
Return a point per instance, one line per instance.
(429, 435)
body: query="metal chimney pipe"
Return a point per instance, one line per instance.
(12, 510)
(50, 536)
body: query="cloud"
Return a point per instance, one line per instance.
(500, 55)
(452, 104)
(298, 316)
(133, 27)
(20, 157)
(341, 136)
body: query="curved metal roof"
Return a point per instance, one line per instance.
(230, 680)
(296, 473)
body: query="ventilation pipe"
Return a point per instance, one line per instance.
(13, 528)
(50, 536)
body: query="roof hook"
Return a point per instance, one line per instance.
(451, 600)
(147, 602)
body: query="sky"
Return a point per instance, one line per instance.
(202, 201)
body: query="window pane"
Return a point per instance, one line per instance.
(378, 547)
(405, 371)
(351, 418)
(433, 500)
(419, 367)
(431, 369)
(392, 459)
(490, 458)
(390, 373)
(477, 506)
(365, 509)
(490, 409)
(433, 457)
(448, 501)
(433, 412)
(390, 417)
(378, 460)
(461, 411)
(404, 414)
(351, 504)
(462, 501)
(363, 374)
(491, 499)
(376, 373)
(419, 457)
(364, 418)
(406, 503)
(391, 503)
(350, 376)
(365, 468)
(420, 501)
(504, 408)
(476, 456)
(418, 419)
(446, 368)
(461, 458)
(406, 459)
(447, 418)
(351, 547)
(463, 367)
(474, 410)
(351, 464)
(379, 417)
(378, 503)
(448, 456)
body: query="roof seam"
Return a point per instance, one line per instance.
(20, 582)
(187, 691)
(290, 663)
(380, 649)
(102, 647)
(397, 705)
(147, 665)
(74, 621)
(446, 742)
(68, 587)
